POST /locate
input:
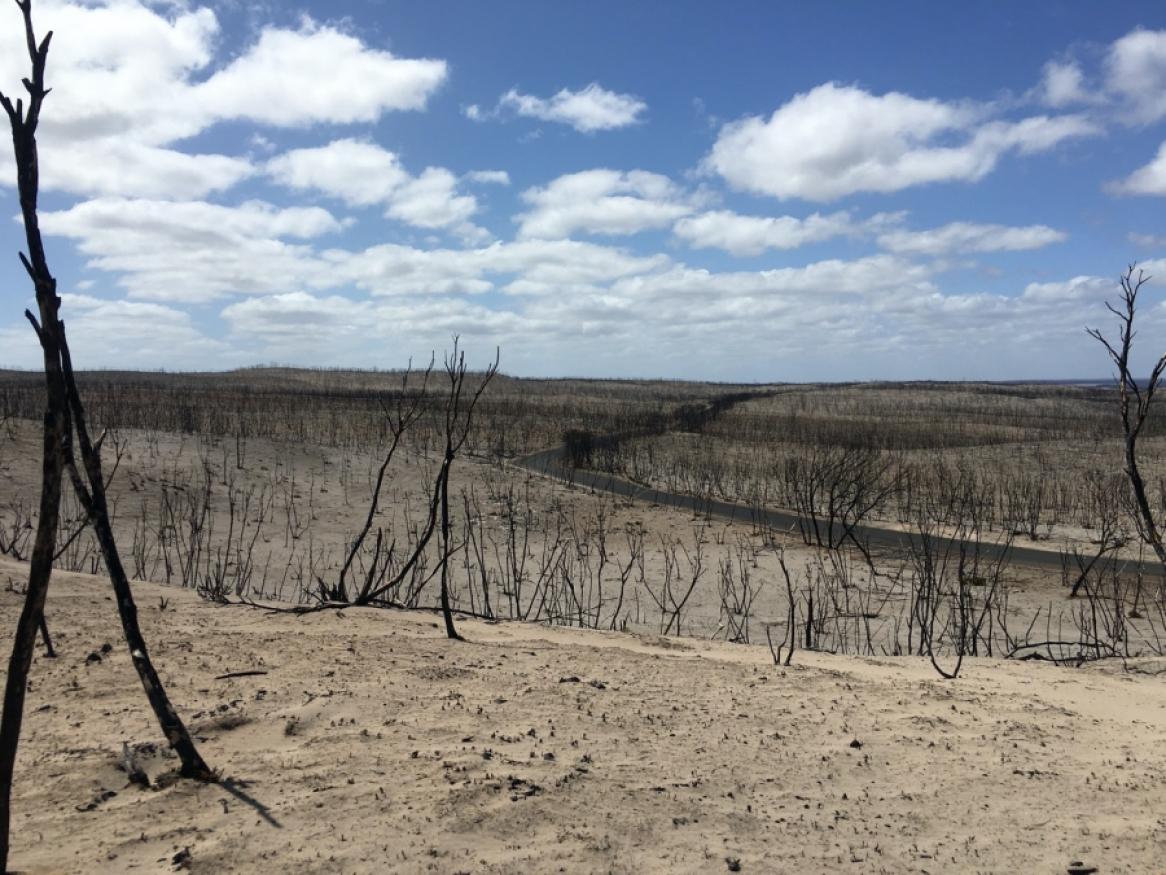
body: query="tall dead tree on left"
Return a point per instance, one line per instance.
(65, 432)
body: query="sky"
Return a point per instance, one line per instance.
(747, 191)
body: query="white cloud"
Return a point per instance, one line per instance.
(296, 314)
(112, 167)
(601, 202)
(394, 269)
(1154, 270)
(590, 109)
(969, 237)
(1147, 241)
(837, 140)
(1029, 136)
(1063, 84)
(1130, 87)
(532, 266)
(833, 277)
(1150, 179)
(431, 201)
(618, 308)
(600, 311)
(1135, 70)
(752, 235)
(358, 173)
(1079, 288)
(195, 251)
(338, 330)
(489, 177)
(131, 334)
(115, 115)
(112, 111)
(301, 315)
(318, 74)
(363, 174)
(100, 88)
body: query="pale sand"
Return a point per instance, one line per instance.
(378, 746)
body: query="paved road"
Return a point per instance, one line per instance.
(550, 463)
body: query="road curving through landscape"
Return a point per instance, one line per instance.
(550, 463)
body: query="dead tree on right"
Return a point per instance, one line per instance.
(1134, 401)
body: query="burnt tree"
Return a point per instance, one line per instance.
(1134, 402)
(65, 430)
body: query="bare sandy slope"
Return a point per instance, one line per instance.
(373, 745)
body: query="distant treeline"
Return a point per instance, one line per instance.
(348, 408)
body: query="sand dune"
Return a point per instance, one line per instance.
(373, 745)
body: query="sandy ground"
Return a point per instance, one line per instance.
(373, 745)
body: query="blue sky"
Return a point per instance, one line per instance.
(751, 191)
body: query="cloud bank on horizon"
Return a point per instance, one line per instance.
(333, 189)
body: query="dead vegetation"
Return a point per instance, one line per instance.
(290, 521)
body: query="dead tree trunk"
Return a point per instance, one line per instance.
(408, 408)
(63, 411)
(446, 614)
(458, 420)
(92, 497)
(1134, 402)
(56, 425)
(46, 638)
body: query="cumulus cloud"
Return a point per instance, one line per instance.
(1135, 71)
(1150, 179)
(356, 172)
(432, 201)
(1147, 241)
(1031, 135)
(838, 140)
(125, 167)
(563, 294)
(196, 251)
(125, 334)
(364, 174)
(296, 315)
(601, 202)
(590, 109)
(125, 111)
(522, 267)
(864, 276)
(1079, 288)
(1154, 270)
(1063, 84)
(752, 235)
(317, 74)
(1129, 87)
(969, 237)
(297, 318)
(101, 90)
(612, 297)
(489, 177)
